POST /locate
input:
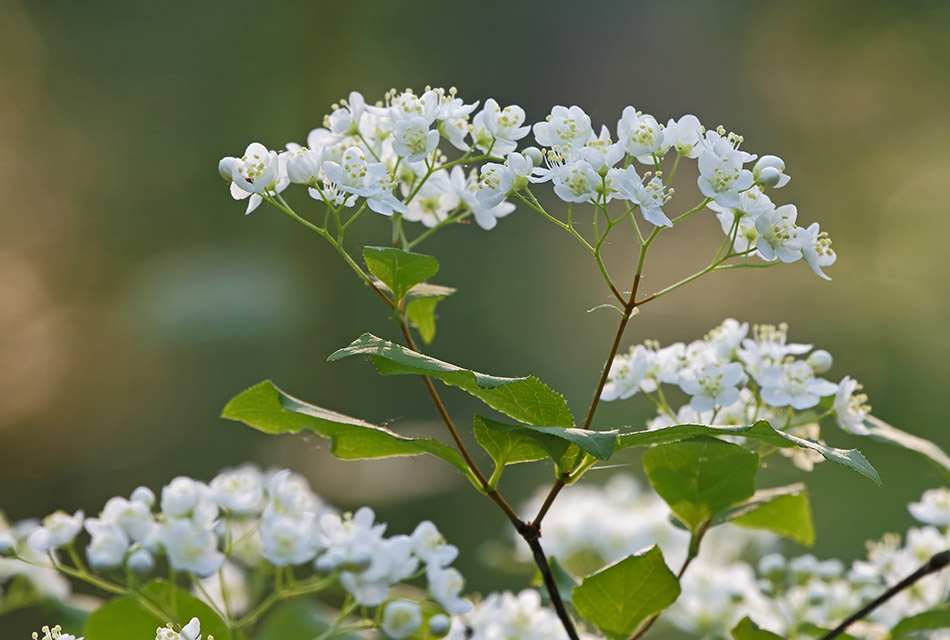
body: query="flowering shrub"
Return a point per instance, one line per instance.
(702, 546)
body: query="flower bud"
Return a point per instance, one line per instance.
(226, 168)
(534, 154)
(141, 562)
(439, 625)
(770, 177)
(144, 495)
(401, 618)
(7, 544)
(820, 361)
(302, 166)
(773, 162)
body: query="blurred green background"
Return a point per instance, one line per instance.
(136, 298)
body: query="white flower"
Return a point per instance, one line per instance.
(793, 384)
(429, 545)
(465, 187)
(408, 105)
(770, 172)
(109, 543)
(726, 338)
(191, 631)
(721, 176)
(401, 618)
(933, 508)
(576, 182)
(144, 495)
(498, 181)
(779, 236)
(804, 459)
(289, 540)
(345, 121)
(413, 140)
(602, 153)
(851, 409)
(140, 561)
(628, 373)
(640, 134)
(303, 164)
(445, 585)
(816, 248)
(568, 128)
(59, 529)
(191, 547)
(497, 130)
(258, 171)
(238, 490)
(752, 204)
(290, 494)
(355, 175)
(685, 134)
(56, 633)
(184, 497)
(713, 385)
(768, 346)
(134, 517)
(434, 201)
(650, 196)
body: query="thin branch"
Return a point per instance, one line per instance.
(936, 563)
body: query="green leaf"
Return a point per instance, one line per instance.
(748, 630)
(507, 444)
(298, 619)
(399, 270)
(617, 599)
(783, 510)
(880, 430)
(926, 621)
(268, 409)
(421, 313)
(125, 618)
(527, 400)
(761, 431)
(699, 478)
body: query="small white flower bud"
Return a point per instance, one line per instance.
(772, 565)
(192, 630)
(535, 154)
(144, 495)
(439, 624)
(771, 162)
(7, 544)
(401, 618)
(226, 168)
(820, 361)
(770, 177)
(140, 561)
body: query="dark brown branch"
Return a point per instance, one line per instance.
(936, 563)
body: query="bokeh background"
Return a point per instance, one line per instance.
(136, 298)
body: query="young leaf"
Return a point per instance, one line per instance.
(699, 478)
(124, 617)
(783, 510)
(617, 599)
(748, 630)
(399, 270)
(506, 444)
(527, 400)
(421, 313)
(761, 431)
(880, 430)
(268, 409)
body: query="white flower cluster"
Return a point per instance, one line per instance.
(246, 519)
(734, 377)
(587, 167)
(506, 615)
(374, 152)
(45, 583)
(805, 590)
(191, 631)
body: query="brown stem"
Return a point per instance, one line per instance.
(936, 563)
(531, 535)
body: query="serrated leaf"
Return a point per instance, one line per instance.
(619, 598)
(880, 430)
(526, 400)
(125, 618)
(748, 630)
(701, 477)
(399, 270)
(421, 313)
(599, 444)
(268, 409)
(761, 431)
(782, 510)
(926, 621)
